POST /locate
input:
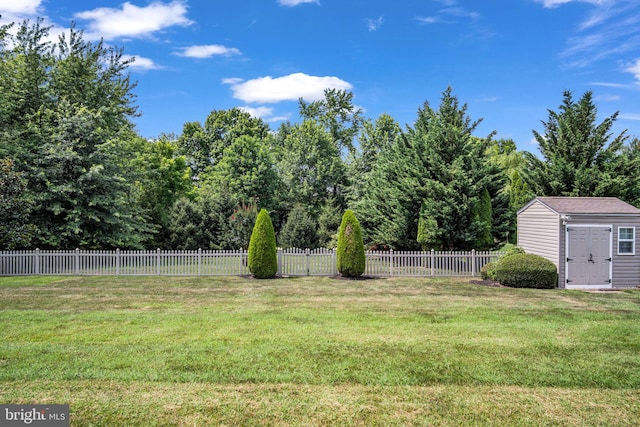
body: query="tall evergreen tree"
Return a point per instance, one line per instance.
(351, 260)
(436, 173)
(263, 258)
(580, 157)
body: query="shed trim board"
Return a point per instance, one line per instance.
(592, 272)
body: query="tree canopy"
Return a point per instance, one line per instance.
(74, 173)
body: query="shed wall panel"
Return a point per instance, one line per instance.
(539, 231)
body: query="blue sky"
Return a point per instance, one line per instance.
(509, 60)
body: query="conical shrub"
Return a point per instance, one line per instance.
(351, 258)
(263, 258)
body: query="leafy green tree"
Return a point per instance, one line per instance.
(15, 230)
(241, 225)
(204, 145)
(246, 170)
(329, 221)
(71, 105)
(310, 166)
(337, 115)
(203, 223)
(263, 257)
(580, 157)
(299, 230)
(351, 257)
(162, 178)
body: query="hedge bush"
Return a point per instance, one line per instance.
(263, 256)
(488, 271)
(527, 271)
(351, 257)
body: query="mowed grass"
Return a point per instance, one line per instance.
(202, 351)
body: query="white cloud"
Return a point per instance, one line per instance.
(291, 3)
(133, 21)
(20, 7)
(556, 3)
(264, 113)
(287, 88)
(634, 68)
(141, 63)
(207, 51)
(427, 19)
(374, 24)
(232, 80)
(488, 99)
(630, 116)
(449, 14)
(608, 98)
(610, 31)
(611, 85)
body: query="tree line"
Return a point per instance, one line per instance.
(75, 174)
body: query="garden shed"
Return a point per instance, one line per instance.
(591, 240)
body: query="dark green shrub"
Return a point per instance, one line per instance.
(488, 271)
(263, 257)
(527, 271)
(299, 230)
(351, 258)
(510, 249)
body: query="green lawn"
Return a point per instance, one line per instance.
(318, 351)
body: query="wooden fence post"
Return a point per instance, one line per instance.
(76, 262)
(433, 263)
(473, 262)
(200, 261)
(279, 271)
(36, 262)
(117, 261)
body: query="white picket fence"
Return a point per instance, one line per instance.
(291, 262)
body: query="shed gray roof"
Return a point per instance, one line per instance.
(588, 205)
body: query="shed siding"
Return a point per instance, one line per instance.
(539, 231)
(626, 268)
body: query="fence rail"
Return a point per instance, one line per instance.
(291, 262)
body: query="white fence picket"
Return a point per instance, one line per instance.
(291, 262)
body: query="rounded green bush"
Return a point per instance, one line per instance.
(488, 271)
(263, 256)
(527, 271)
(510, 249)
(351, 258)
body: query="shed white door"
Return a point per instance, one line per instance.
(588, 257)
